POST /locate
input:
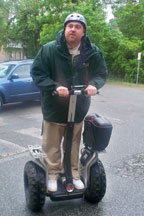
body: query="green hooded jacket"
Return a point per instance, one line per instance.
(53, 67)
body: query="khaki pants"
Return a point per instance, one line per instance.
(53, 134)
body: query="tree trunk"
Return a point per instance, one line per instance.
(74, 1)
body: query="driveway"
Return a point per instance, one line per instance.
(20, 125)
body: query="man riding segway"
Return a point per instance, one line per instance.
(68, 71)
(68, 61)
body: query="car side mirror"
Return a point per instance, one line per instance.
(13, 76)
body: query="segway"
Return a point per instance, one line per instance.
(96, 136)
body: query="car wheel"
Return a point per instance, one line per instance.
(34, 185)
(1, 102)
(97, 183)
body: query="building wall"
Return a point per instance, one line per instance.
(11, 54)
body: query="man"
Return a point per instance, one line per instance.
(69, 60)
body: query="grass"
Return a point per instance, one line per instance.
(118, 81)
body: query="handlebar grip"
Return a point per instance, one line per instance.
(84, 92)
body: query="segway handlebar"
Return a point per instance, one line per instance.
(79, 90)
(75, 90)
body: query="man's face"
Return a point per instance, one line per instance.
(74, 32)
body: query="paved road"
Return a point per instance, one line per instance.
(20, 125)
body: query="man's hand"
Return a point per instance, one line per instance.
(62, 91)
(91, 90)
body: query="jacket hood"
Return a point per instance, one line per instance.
(61, 42)
(86, 49)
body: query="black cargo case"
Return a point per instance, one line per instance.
(97, 132)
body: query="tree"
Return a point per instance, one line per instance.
(26, 27)
(22, 25)
(4, 13)
(36, 22)
(130, 20)
(97, 28)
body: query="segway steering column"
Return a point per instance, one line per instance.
(76, 90)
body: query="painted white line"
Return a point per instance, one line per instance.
(37, 116)
(114, 119)
(2, 123)
(33, 132)
(8, 148)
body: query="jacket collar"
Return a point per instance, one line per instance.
(86, 50)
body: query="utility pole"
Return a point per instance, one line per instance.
(139, 58)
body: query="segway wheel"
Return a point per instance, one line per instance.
(34, 185)
(97, 183)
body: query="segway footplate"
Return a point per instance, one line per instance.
(36, 152)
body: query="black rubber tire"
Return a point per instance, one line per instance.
(97, 183)
(1, 102)
(34, 185)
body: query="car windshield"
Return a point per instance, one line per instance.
(5, 69)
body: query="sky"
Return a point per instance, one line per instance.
(109, 13)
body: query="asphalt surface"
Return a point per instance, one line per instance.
(20, 126)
